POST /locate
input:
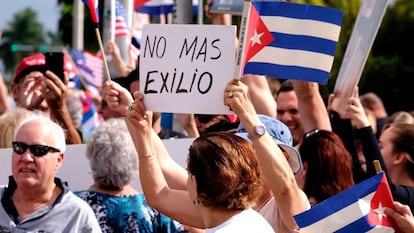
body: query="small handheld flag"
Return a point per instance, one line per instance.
(93, 11)
(357, 209)
(290, 41)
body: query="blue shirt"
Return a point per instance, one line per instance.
(127, 213)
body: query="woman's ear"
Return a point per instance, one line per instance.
(401, 157)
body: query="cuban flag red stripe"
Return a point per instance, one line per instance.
(357, 209)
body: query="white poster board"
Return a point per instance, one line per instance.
(76, 170)
(185, 68)
(365, 30)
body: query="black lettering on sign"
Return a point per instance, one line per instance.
(158, 46)
(200, 51)
(177, 82)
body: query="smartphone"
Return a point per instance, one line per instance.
(54, 63)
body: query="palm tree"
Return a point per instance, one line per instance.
(24, 29)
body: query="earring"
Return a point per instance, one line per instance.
(196, 202)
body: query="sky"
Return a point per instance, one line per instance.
(48, 12)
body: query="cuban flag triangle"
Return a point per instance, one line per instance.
(357, 209)
(93, 11)
(289, 41)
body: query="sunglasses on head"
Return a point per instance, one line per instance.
(36, 150)
(314, 132)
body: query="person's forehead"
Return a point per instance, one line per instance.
(287, 101)
(31, 75)
(33, 131)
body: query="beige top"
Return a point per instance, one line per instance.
(270, 212)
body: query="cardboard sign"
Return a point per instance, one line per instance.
(185, 68)
(365, 30)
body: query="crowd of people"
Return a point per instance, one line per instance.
(282, 151)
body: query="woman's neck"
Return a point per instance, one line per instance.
(125, 190)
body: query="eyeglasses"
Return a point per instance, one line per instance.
(314, 132)
(36, 150)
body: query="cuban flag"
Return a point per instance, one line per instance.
(156, 7)
(93, 11)
(290, 41)
(139, 3)
(357, 209)
(91, 117)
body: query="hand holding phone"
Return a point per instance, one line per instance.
(54, 63)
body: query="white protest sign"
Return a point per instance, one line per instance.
(185, 68)
(365, 30)
(76, 169)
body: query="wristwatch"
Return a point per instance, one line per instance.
(259, 130)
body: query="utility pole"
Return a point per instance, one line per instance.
(77, 34)
(183, 11)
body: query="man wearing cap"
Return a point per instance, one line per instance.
(34, 88)
(282, 198)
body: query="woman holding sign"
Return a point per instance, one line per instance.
(278, 204)
(223, 180)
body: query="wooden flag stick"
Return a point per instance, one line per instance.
(238, 71)
(377, 166)
(98, 35)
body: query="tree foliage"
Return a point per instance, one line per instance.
(23, 29)
(389, 71)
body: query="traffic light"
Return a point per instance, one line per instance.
(42, 48)
(21, 47)
(14, 48)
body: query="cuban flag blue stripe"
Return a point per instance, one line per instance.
(313, 12)
(274, 70)
(307, 43)
(339, 201)
(156, 10)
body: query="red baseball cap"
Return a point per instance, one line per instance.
(28, 64)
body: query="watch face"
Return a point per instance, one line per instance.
(260, 130)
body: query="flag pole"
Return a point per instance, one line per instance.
(377, 166)
(238, 71)
(98, 35)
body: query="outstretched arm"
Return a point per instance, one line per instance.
(277, 172)
(118, 99)
(4, 101)
(312, 109)
(173, 203)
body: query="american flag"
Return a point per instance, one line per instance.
(122, 30)
(121, 25)
(89, 65)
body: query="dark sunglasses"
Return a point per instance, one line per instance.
(36, 150)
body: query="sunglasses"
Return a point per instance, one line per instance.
(312, 133)
(36, 150)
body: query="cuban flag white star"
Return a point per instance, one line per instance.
(256, 38)
(380, 211)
